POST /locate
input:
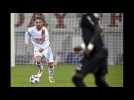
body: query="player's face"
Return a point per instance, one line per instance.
(38, 23)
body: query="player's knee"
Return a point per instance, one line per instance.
(38, 59)
(41, 68)
(51, 65)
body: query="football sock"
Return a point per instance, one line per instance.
(51, 71)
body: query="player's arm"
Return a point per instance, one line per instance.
(97, 31)
(27, 37)
(92, 20)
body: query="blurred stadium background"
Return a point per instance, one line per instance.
(65, 34)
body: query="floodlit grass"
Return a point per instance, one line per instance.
(63, 73)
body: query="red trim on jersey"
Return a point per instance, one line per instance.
(50, 62)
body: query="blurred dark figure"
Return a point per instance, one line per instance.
(94, 53)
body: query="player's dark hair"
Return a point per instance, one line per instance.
(43, 19)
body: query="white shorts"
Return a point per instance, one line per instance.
(47, 53)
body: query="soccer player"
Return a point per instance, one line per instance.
(94, 53)
(39, 37)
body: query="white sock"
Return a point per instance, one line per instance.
(40, 72)
(39, 75)
(41, 67)
(51, 71)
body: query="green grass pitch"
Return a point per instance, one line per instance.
(20, 76)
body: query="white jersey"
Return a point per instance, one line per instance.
(39, 38)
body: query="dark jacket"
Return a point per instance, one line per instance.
(90, 26)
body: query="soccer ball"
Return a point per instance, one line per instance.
(34, 79)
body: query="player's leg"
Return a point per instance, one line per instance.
(89, 65)
(40, 66)
(78, 80)
(79, 76)
(51, 66)
(100, 75)
(38, 60)
(100, 78)
(49, 56)
(86, 66)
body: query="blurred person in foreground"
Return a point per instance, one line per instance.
(94, 54)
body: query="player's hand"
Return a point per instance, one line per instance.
(90, 46)
(89, 49)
